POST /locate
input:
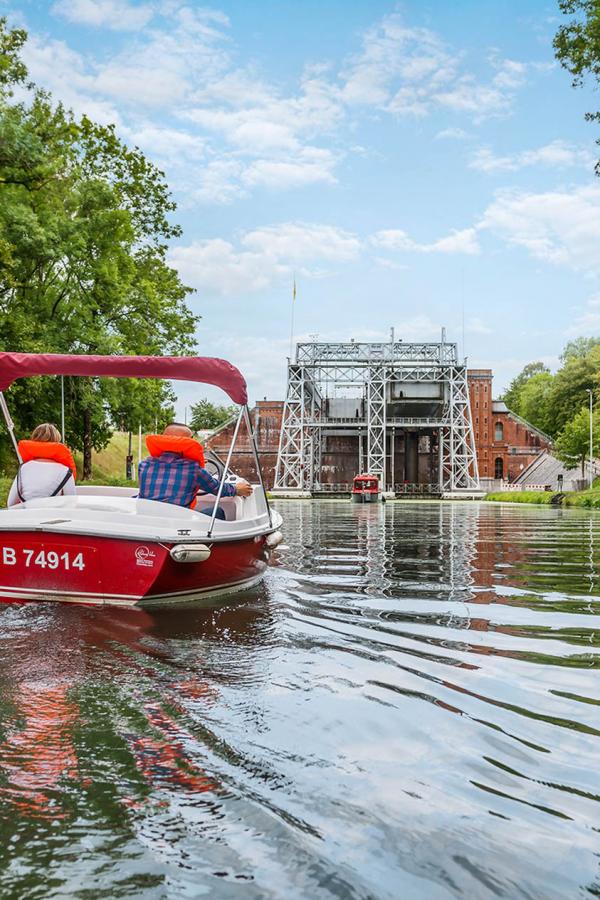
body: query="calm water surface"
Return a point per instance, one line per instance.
(409, 706)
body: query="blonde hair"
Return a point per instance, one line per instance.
(46, 432)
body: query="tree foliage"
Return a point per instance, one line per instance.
(573, 443)
(207, 415)
(535, 400)
(577, 44)
(84, 230)
(512, 397)
(559, 403)
(579, 348)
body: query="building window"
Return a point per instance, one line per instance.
(499, 467)
(499, 432)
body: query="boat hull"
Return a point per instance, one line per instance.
(364, 497)
(76, 568)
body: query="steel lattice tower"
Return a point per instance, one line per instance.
(375, 371)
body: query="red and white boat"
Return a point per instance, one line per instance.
(365, 489)
(103, 545)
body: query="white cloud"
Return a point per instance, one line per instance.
(299, 242)
(60, 69)
(118, 15)
(561, 227)
(466, 96)
(398, 67)
(475, 325)
(262, 257)
(217, 182)
(409, 71)
(216, 266)
(560, 154)
(510, 73)
(277, 174)
(455, 134)
(222, 131)
(167, 144)
(458, 241)
(587, 323)
(387, 263)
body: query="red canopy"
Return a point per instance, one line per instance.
(204, 369)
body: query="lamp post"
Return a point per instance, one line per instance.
(590, 392)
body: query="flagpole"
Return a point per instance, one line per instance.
(292, 324)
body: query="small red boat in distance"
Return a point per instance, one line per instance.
(365, 489)
(106, 546)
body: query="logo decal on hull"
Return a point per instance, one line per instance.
(144, 556)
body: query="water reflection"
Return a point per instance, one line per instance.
(407, 707)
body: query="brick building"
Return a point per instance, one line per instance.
(505, 443)
(266, 421)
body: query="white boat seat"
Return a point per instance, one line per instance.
(229, 505)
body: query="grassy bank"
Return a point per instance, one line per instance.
(108, 465)
(539, 497)
(589, 499)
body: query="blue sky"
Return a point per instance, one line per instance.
(402, 160)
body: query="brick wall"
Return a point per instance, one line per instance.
(505, 445)
(266, 421)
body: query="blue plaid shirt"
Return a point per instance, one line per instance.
(171, 478)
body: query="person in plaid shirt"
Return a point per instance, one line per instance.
(172, 478)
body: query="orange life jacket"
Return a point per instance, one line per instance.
(47, 450)
(187, 447)
(163, 443)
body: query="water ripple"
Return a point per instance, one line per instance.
(408, 706)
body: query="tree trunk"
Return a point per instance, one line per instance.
(87, 445)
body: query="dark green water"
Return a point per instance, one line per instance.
(409, 706)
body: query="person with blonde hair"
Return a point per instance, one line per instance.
(47, 468)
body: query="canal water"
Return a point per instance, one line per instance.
(408, 707)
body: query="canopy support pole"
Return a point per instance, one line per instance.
(257, 460)
(62, 407)
(225, 470)
(10, 425)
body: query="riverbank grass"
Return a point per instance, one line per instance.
(589, 499)
(539, 497)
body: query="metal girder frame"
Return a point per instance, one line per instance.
(397, 351)
(314, 440)
(290, 470)
(370, 366)
(376, 423)
(459, 469)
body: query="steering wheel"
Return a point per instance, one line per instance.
(214, 468)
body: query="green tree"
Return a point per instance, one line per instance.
(512, 397)
(577, 44)
(534, 400)
(84, 230)
(579, 348)
(569, 388)
(573, 443)
(207, 415)
(12, 70)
